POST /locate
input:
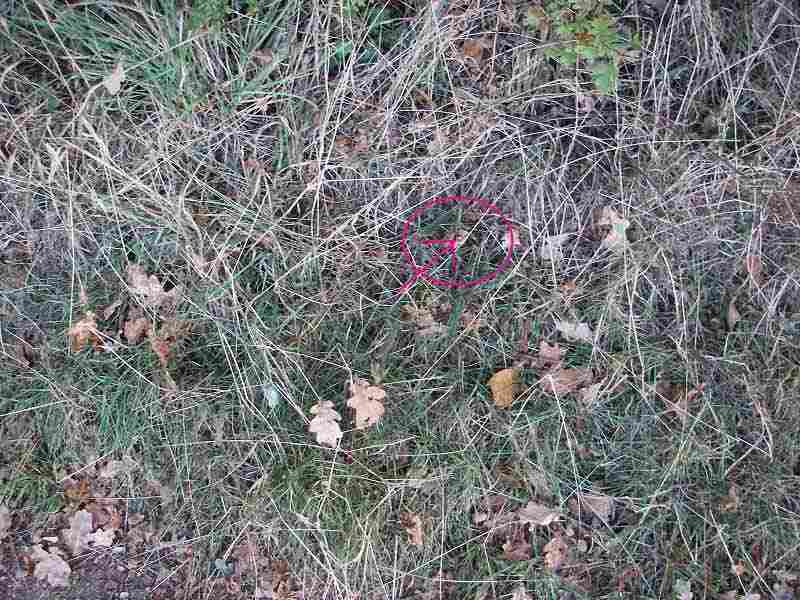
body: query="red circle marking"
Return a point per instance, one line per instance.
(462, 283)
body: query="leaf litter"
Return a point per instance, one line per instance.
(50, 566)
(366, 401)
(503, 385)
(324, 424)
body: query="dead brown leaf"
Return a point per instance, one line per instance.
(599, 505)
(555, 553)
(423, 317)
(412, 523)
(366, 400)
(561, 381)
(324, 425)
(730, 502)
(76, 491)
(50, 566)
(84, 332)
(503, 385)
(537, 515)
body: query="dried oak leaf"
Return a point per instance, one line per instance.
(324, 425)
(598, 505)
(412, 523)
(555, 553)
(537, 515)
(366, 400)
(503, 385)
(83, 332)
(76, 538)
(50, 566)
(560, 381)
(150, 290)
(423, 318)
(575, 332)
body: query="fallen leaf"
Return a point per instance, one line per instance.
(733, 316)
(551, 247)
(83, 332)
(412, 523)
(555, 553)
(150, 290)
(537, 515)
(754, 268)
(113, 81)
(516, 548)
(503, 385)
(50, 566)
(5, 521)
(118, 467)
(561, 381)
(575, 332)
(136, 329)
(520, 593)
(76, 537)
(366, 400)
(324, 425)
(616, 239)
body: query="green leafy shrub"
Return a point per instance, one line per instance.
(582, 31)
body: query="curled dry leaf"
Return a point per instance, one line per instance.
(599, 505)
(575, 332)
(412, 523)
(76, 538)
(503, 385)
(5, 521)
(537, 515)
(324, 425)
(551, 247)
(50, 566)
(84, 332)
(366, 400)
(561, 381)
(555, 553)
